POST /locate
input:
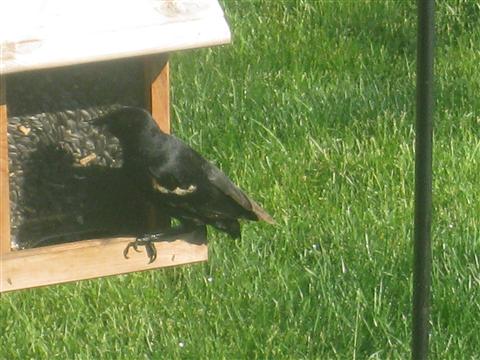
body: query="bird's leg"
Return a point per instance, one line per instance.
(149, 240)
(146, 240)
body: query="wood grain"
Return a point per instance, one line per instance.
(4, 174)
(91, 259)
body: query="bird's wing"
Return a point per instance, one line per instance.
(168, 183)
(225, 185)
(186, 170)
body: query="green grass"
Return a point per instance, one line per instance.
(311, 110)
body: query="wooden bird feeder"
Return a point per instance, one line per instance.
(54, 34)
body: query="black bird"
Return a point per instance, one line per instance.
(177, 180)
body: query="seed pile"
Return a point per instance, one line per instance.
(65, 178)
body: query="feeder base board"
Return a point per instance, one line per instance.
(91, 259)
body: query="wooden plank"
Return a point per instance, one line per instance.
(91, 259)
(157, 87)
(52, 33)
(4, 174)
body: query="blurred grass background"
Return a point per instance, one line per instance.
(311, 110)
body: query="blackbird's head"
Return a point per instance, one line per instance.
(125, 122)
(132, 126)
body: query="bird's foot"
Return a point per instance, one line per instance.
(147, 241)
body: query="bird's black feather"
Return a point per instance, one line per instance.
(176, 178)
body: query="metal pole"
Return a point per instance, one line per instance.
(423, 180)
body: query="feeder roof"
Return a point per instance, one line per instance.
(51, 33)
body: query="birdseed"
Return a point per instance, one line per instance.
(52, 199)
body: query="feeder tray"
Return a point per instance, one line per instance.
(66, 210)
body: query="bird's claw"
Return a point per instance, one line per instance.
(146, 241)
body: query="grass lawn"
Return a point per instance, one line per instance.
(311, 110)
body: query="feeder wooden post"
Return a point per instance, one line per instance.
(157, 89)
(157, 100)
(4, 174)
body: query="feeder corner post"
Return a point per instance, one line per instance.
(4, 172)
(157, 89)
(157, 101)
